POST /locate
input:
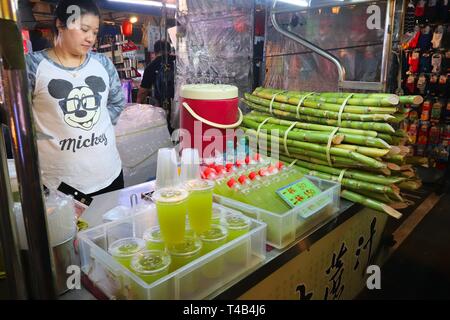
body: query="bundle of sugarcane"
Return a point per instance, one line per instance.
(354, 139)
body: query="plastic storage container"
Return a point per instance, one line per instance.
(283, 229)
(192, 281)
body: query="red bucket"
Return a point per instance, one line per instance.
(209, 114)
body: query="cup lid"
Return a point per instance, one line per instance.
(150, 261)
(199, 185)
(170, 195)
(209, 91)
(190, 246)
(215, 233)
(153, 234)
(236, 221)
(126, 247)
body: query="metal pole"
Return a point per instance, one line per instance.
(19, 113)
(307, 44)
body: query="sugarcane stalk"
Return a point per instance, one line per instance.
(374, 126)
(370, 162)
(377, 196)
(311, 156)
(318, 112)
(396, 158)
(260, 117)
(386, 137)
(411, 99)
(410, 185)
(370, 203)
(322, 104)
(320, 138)
(299, 135)
(382, 100)
(351, 174)
(372, 187)
(370, 152)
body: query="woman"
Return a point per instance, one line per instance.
(77, 97)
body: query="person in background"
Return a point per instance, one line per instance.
(38, 41)
(76, 98)
(159, 75)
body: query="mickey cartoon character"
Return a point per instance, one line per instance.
(80, 105)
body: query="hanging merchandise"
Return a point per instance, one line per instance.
(426, 109)
(425, 63)
(436, 62)
(410, 84)
(431, 11)
(410, 18)
(444, 11)
(425, 39)
(420, 10)
(436, 110)
(422, 84)
(437, 37)
(414, 62)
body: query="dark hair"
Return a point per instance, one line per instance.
(159, 46)
(61, 13)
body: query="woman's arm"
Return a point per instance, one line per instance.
(116, 98)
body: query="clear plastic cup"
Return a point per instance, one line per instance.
(150, 265)
(171, 207)
(217, 215)
(200, 204)
(124, 249)
(212, 239)
(167, 169)
(185, 252)
(190, 165)
(153, 239)
(236, 224)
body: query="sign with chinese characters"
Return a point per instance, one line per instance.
(298, 192)
(333, 268)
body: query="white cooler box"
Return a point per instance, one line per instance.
(140, 132)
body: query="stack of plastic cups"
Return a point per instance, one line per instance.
(200, 191)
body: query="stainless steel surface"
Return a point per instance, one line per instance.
(19, 117)
(8, 233)
(362, 85)
(309, 45)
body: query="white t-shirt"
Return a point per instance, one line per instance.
(77, 107)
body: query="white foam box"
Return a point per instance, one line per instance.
(192, 281)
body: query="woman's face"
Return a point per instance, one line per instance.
(80, 35)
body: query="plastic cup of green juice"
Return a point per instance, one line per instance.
(237, 225)
(171, 207)
(124, 249)
(185, 252)
(200, 204)
(153, 239)
(212, 239)
(150, 265)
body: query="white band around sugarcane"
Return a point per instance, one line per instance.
(341, 175)
(330, 139)
(273, 99)
(286, 136)
(259, 129)
(341, 109)
(300, 102)
(293, 163)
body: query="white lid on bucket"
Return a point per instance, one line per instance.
(209, 91)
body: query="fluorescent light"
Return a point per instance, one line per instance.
(300, 3)
(147, 3)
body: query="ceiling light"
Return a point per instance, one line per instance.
(300, 3)
(133, 19)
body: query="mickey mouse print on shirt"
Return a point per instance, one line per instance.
(80, 105)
